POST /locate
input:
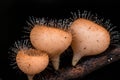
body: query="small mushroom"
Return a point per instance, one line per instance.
(31, 61)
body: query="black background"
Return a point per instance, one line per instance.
(13, 15)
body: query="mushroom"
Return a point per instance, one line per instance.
(31, 61)
(53, 41)
(88, 39)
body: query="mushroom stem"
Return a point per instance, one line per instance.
(30, 77)
(55, 61)
(76, 58)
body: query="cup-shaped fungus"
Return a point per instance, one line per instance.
(52, 40)
(89, 38)
(31, 61)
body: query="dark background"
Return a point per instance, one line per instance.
(14, 13)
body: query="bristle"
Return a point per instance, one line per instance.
(107, 24)
(61, 24)
(86, 15)
(114, 34)
(32, 22)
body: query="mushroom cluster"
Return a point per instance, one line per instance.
(49, 41)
